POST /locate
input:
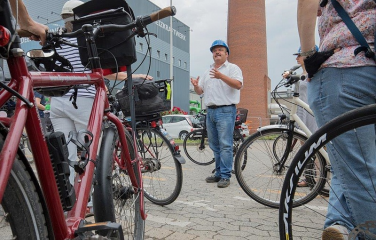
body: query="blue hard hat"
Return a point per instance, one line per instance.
(300, 50)
(219, 43)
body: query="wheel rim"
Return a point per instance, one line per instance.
(183, 135)
(262, 176)
(163, 182)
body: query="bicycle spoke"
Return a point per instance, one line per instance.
(124, 202)
(263, 175)
(161, 173)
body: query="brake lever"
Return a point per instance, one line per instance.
(153, 34)
(287, 83)
(140, 32)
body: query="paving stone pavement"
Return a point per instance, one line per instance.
(203, 211)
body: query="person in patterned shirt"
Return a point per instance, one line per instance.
(343, 82)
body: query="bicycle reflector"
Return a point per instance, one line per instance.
(4, 36)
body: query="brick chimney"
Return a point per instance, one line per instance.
(246, 37)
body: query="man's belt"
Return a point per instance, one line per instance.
(219, 106)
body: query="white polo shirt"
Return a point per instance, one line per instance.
(216, 91)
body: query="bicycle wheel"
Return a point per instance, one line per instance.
(238, 139)
(307, 179)
(161, 172)
(307, 221)
(261, 175)
(114, 191)
(21, 211)
(197, 149)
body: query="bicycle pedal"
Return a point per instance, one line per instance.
(85, 229)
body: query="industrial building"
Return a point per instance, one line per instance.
(157, 64)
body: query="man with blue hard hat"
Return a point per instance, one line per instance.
(221, 84)
(219, 43)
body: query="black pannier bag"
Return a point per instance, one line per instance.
(151, 98)
(107, 12)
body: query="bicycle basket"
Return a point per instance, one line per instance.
(122, 49)
(151, 98)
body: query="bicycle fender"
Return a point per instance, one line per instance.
(283, 127)
(179, 158)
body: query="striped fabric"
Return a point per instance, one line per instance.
(72, 54)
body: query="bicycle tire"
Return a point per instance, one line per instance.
(21, 211)
(161, 172)
(260, 178)
(315, 212)
(113, 190)
(197, 153)
(238, 140)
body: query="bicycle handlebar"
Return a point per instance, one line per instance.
(294, 78)
(165, 12)
(139, 22)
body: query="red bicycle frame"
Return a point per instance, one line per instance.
(23, 82)
(26, 115)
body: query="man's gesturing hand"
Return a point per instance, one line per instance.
(214, 73)
(194, 81)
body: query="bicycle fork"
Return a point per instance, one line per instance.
(129, 164)
(280, 165)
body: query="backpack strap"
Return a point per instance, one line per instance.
(324, 2)
(364, 47)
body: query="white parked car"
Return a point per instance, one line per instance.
(179, 125)
(244, 130)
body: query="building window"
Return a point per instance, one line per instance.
(185, 65)
(141, 47)
(166, 57)
(158, 74)
(179, 63)
(150, 48)
(159, 54)
(173, 60)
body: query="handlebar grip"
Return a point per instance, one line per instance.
(24, 33)
(165, 12)
(294, 78)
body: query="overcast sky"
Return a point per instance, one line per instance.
(208, 21)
